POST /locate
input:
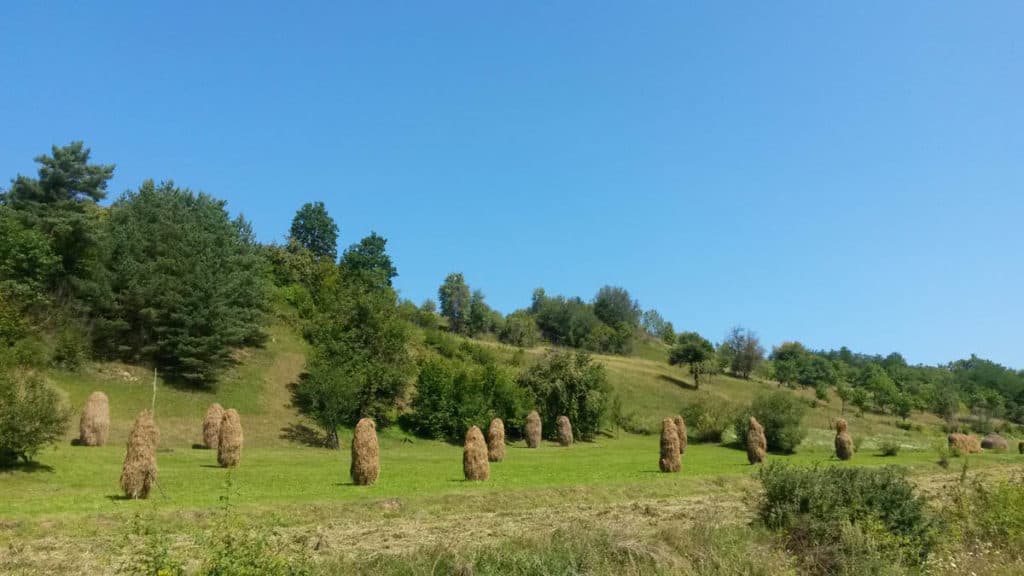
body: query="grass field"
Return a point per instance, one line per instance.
(67, 512)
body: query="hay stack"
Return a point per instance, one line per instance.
(95, 422)
(496, 441)
(564, 429)
(680, 425)
(474, 456)
(964, 443)
(365, 454)
(669, 461)
(844, 443)
(757, 445)
(211, 426)
(995, 442)
(139, 472)
(532, 430)
(229, 442)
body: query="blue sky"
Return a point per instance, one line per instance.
(839, 174)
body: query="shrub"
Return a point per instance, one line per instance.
(211, 426)
(533, 429)
(95, 422)
(365, 466)
(564, 427)
(72, 349)
(572, 385)
(229, 444)
(781, 414)
(139, 472)
(496, 441)
(520, 329)
(989, 515)
(31, 416)
(847, 520)
(669, 460)
(709, 417)
(889, 448)
(475, 465)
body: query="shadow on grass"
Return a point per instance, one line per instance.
(677, 381)
(302, 434)
(118, 497)
(28, 467)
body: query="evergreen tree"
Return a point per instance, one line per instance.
(315, 230)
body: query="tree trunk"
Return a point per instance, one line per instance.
(332, 439)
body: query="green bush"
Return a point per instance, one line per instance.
(572, 385)
(848, 520)
(709, 417)
(72, 349)
(31, 416)
(781, 413)
(889, 448)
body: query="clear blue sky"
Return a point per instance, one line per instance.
(835, 173)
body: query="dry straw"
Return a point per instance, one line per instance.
(496, 441)
(564, 429)
(844, 443)
(211, 426)
(139, 472)
(365, 454)
(669, 461)
(680, 425)
(95, 423)
(964, 443)
(757, 445)
(474, 456)
(995, 442)
(533, 429)
(229, 445)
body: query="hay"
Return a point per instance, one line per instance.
(844, 442)
(669, 461)
(95, 422)
(532, 430)
(964, 443)
(995, 442)
(211, 426)
(564, 429)
(229, 443)
(139, 472)
(365, 454)
(496, 441)
(757, 445)
(474, 456)
(680, 425)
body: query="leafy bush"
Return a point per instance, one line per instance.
(848, 520)
(31, 416)
(72, 349)
(520, 329)
(889, 448)
(709, 417)
(573, 385)
(989, 515)
(781, 413)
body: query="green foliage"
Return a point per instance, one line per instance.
(889, 448)
(482, 319)
(31, 416)
(187, 283)
(315, 230)
(72, 348)
(572, 322)
(708, 418)
(743, 350)
(781, 413)
(986, 515)
(453, 395)
(613, 306)
(369, 258)
(455, 302)
(520, 329)
(692, 349)
(572, 385)
(848, 520)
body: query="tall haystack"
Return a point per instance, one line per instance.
(365, 453)
(844, 443)
(669, 461)
(95, 422)
(964, 443)
(211, 426)
(229, 443)
(139, 472)
(496, 441)
(995, 442)
(474, 456)
(564, 429)
(532, 430)
(680, 425)
(757, 444)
